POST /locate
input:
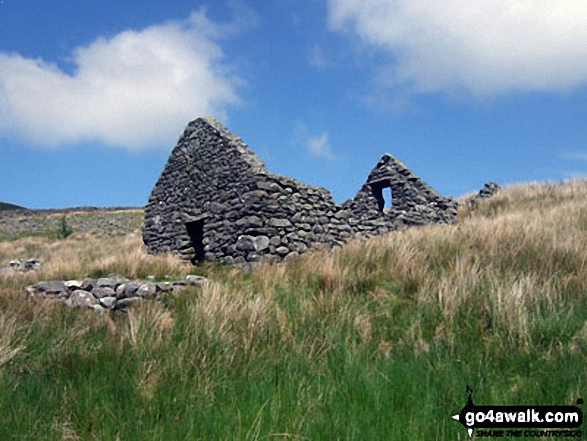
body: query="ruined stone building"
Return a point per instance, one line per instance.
(215, 201)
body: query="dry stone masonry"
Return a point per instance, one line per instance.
(489, 190)
(215, 201)
(108, 293)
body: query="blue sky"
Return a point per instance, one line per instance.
(94, 95)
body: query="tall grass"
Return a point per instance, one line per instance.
(376, 340)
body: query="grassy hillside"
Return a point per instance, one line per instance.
(376, 340)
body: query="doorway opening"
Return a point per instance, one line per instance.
(195, 232)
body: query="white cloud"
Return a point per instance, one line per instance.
(137, 89)
(483, 47)
(319, 147)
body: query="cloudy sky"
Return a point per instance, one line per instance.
(94, 95)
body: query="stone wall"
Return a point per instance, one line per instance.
(215, 201)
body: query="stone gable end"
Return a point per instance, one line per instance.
(215, 201)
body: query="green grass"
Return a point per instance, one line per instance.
(377, 340)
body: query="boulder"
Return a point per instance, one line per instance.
(82, 299)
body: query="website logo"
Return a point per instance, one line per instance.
(518, 421)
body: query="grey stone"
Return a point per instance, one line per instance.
(261, 243)
(279, 223)
(72, 285)
(147, 290)
(80, 298)
(282, 251)
(245, 243)
(291, 256)
(88, 284)
(108, 302)
(125, 303)
(98, 308)
(51, 288)
(130, 288)
(109, 282)
(194, 280)
(103, 291)
(275, 241)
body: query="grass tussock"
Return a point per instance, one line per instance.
(376, 340)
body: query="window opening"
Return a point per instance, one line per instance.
(383, 195)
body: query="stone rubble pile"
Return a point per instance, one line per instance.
(489, 190)
(20, 266)
(108, 293)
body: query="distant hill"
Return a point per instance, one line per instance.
(7, 206)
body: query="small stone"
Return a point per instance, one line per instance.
(196, 280)
(108, 282)
(282, 251)
(291, 256)
(147, 290)
(51, 288)
(275, 241)
(130, 289)
(125, 303)
(72, 285)
(88, 284)
(81, 298)
(261, 243)
(104, 291)
(164, 286)
(108, 302)
(279, 223)
(99, 309)
(245, 243)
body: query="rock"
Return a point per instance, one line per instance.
(125, 303)
(282, 251)
(245, 243)
(164, 286)
(88, 284)
(80, 299)
(51, 288)
(108, 302)
(147, 290)
(108, 282)
(72, 285)
(488, 190)
(103, 291)
(130, 289)
(279, 223)
(275, 241)
(196, 280)
(98, 308)
(32, 264)
(291, 256)
(298, 247)
(261, 243)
